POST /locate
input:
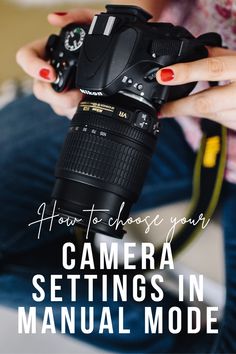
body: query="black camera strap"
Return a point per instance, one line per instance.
(208, 178)
(210, 162)
(169, 46)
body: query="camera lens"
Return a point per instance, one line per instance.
(104, 162)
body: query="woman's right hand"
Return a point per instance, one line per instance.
(31, 58)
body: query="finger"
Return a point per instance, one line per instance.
(220, 52)
(61, 19)
(68, 100)
(226, 118)
(60, 111)
(30, 59)
(209, 69)
(204, 104)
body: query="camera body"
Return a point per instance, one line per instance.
(113, 134)
(121, 51)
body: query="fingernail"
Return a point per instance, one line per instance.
(60, 13)
(45, 73)
(167, 75)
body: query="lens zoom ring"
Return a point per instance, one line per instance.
(104, 159)
(114, 125)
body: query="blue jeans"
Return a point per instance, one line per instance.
(30, 139)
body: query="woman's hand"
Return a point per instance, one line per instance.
(217, 103)
(31, 59)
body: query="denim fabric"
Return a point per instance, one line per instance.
(226, 342)
(30, 140)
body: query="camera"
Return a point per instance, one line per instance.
(112, 137)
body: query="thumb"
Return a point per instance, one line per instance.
(61, 19)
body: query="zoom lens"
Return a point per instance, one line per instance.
(104, 162)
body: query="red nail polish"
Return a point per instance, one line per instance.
(60, 13)
(167, 75)
(44, 73)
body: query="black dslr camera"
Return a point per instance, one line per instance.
(113, 134)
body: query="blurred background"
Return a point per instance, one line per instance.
(23, 21)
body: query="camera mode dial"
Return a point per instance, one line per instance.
(63, 51)
(74, 39)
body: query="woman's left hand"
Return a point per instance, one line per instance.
(216, 103)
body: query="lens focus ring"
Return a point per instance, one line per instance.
(101, 158)
(110, 158)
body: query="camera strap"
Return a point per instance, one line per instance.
(210, 162)
(208, 179)
(168, 46)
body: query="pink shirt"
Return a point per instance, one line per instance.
(201, 16)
